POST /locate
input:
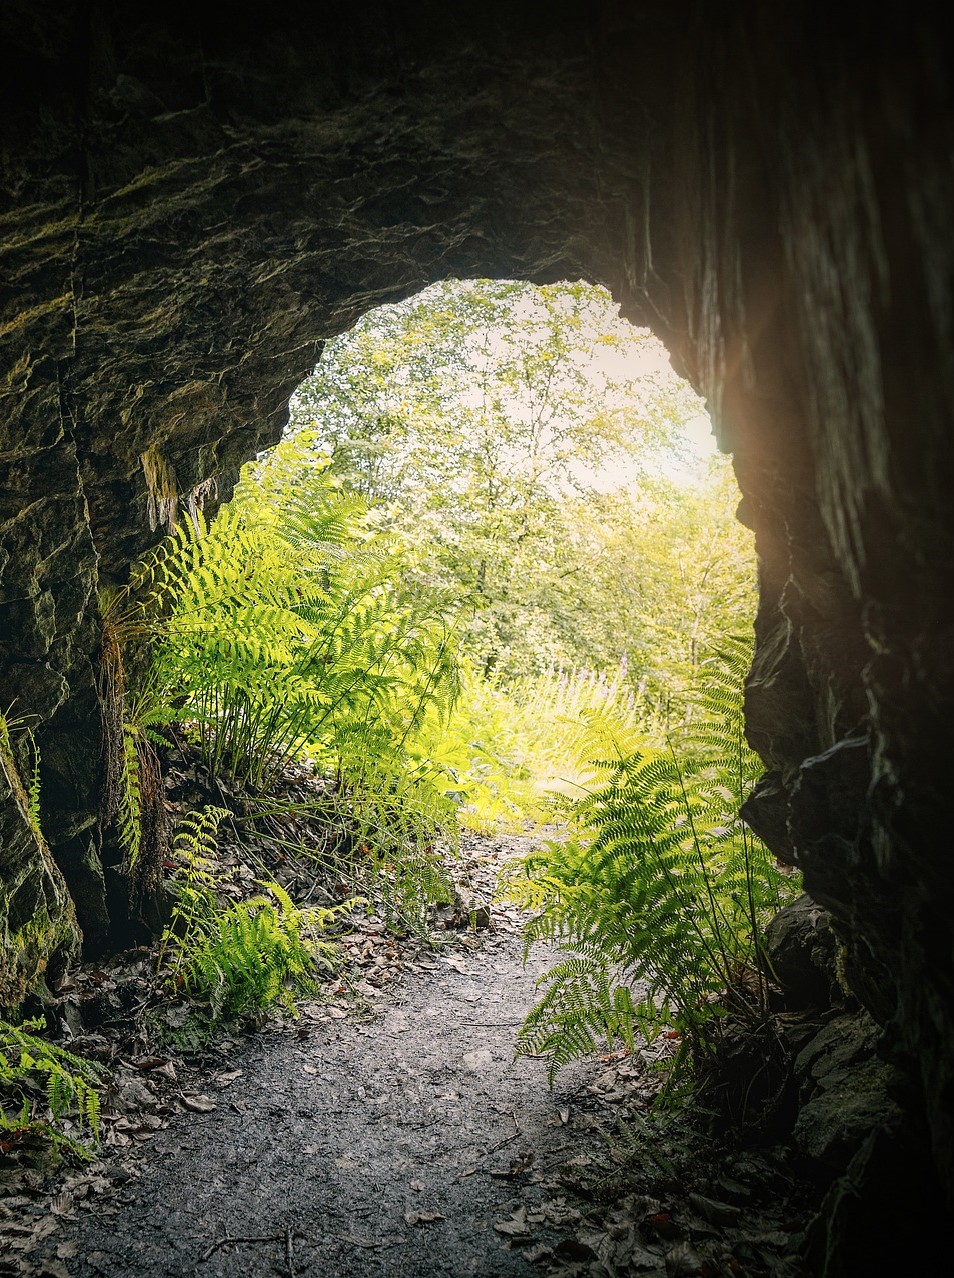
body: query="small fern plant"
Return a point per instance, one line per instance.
(45, 1091)
(255, 953)
(659, 896)
(285, 621)
(246, 956)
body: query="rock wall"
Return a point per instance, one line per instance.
(190, 203)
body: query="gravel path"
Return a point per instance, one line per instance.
(410, 1145)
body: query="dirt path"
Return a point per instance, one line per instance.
(414, 1144)
(408, 1143)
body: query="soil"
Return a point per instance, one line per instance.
(393, 1134)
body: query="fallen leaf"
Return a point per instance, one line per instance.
(516, 1228)
(573, 1249)
(511, 1228)
(715, 1212)
(662, 1223)
(478, 1060)
(199, 1104)
(422, 1217)
(540, 1252)
(683, 1261)
(53, 1269)
(418, 1185)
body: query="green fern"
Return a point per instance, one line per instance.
(11, 725)
(254, 954)
(282, 624)
(33, 791)
(193, 853)
(43, 1088)
(241, 957)
(660, 896)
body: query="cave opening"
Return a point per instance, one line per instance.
(320, 737)
(488, 557)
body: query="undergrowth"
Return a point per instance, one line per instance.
(506, 747)
(286, 629)
(659, 896)
(243, 957)
(47, 1094)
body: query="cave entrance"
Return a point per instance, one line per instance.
(558, 481)
(490, 579)
(491, 573)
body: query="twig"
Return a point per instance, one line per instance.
(224, 1242)
(493, 1149)
(371, 1243)
(496, 1025)
(288, 1251)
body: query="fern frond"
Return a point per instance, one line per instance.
(661, 896)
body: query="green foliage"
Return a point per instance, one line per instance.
(284, 627)
(253, 954)
(245, 956)
(388, 831)
(527, 442)
(668, 572)
(129, 808)
(44, 1090)
(133, 799)
(659, 896)
(9, 727)
(33, 791)
(507, 746)
(287, 628)
(401, 828)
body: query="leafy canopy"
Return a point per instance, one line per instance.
(529, 446)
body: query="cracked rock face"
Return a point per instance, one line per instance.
(187, 211)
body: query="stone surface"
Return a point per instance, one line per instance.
(38, 927)
(802, 951)
(884, 1214)
(188, 208)
(846, 1091)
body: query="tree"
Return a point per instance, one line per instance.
(485, 420)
